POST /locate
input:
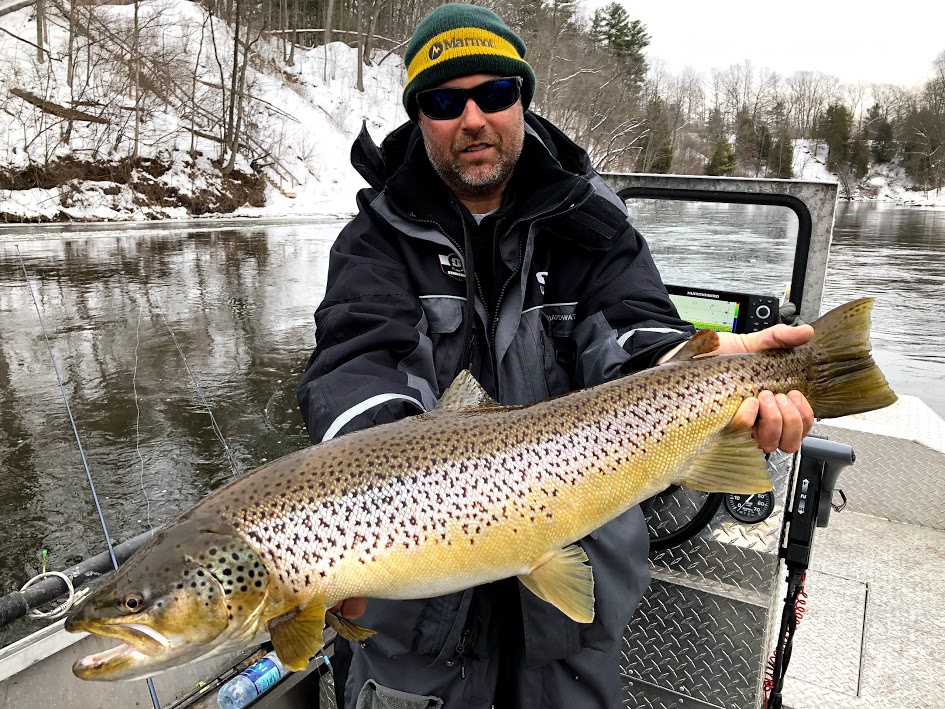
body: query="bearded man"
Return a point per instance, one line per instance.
(486, 241)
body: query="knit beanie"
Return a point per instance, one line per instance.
(456, 40)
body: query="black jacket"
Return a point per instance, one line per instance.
(572, 298)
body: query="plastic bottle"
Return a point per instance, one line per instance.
(251, 682)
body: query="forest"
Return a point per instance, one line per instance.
(118, 76)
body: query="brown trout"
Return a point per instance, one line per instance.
(469, 493)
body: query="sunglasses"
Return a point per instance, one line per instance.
(491, 97)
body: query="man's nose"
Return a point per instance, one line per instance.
(473, 118)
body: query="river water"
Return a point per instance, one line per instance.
(152, 325)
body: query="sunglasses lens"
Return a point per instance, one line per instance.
(441, 104)
(491, 96)
(496, 95)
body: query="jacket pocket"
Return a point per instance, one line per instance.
(559, 353)
(444, 327)
(376, 696)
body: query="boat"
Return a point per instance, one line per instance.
(836, 603)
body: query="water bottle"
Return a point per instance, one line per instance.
(251, 682)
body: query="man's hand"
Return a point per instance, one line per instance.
(777, 420)
(350, 608)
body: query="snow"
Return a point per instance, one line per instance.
(884, 182)
(309, 122)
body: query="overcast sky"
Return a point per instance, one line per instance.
(893, 42)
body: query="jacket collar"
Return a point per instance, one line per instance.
(551, 173)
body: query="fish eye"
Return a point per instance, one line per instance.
(133, 602)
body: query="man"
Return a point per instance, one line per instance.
(486, 241)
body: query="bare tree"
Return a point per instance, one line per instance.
(808, 94)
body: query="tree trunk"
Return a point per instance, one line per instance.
(136, 78)
(238, 97)
(231, 117)
(329, 10)
(295, 34)
(40, 27)
(70, 63)
(360, 83)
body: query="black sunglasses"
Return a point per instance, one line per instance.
(491, 97)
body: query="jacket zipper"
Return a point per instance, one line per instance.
(494, 325)
(460, 654)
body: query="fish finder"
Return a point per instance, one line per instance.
(724, 311)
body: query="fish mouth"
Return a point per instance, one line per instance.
(141, 644)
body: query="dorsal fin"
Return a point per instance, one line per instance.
(464, 393)
(703, 342)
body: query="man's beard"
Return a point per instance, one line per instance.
(477, 180)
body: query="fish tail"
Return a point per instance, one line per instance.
(845, 380)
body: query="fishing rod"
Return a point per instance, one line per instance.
(213, 420)
(75, 430)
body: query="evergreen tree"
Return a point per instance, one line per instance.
(764, 142)
(656, 153)
(633, 47)
(883, 144)
(723, 160)
(612, 30)
(859, 156)
(746, 143)
(715, 125)
(835, 128)
(781, 160)
(879, 135)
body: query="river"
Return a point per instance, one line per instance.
(151, 325)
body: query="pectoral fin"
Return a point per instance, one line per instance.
(734, 464)
(703, 342)
(297, 636)
(564, 579)
(348, 630)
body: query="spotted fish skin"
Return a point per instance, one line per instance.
(416, 507)
(465, 495)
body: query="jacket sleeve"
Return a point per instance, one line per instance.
(628, 320)
(373, 360)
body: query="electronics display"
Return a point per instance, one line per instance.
(724, 311)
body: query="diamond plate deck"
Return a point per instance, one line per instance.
(904, 651)
(904, 485)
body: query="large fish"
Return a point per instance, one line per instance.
(469, 493)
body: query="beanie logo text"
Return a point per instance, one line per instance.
(460, 42)
(437, 48)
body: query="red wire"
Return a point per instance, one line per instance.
(800, 608)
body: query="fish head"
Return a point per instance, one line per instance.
(187, 594)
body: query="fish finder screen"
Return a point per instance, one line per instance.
(706, 314)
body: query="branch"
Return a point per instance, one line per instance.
(42, 49)
(55, 109)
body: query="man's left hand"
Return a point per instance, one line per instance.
(776, 420)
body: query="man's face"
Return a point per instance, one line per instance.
(475, 153)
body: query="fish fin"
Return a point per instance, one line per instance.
(464, 393)
(565, 580)
(703, 342)
(734, 463)
(848, 382)
(297, 636)
(348, 630)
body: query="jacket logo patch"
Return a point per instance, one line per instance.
(540, 277)
(452, 266)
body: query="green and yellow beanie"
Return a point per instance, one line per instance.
(457, 40)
